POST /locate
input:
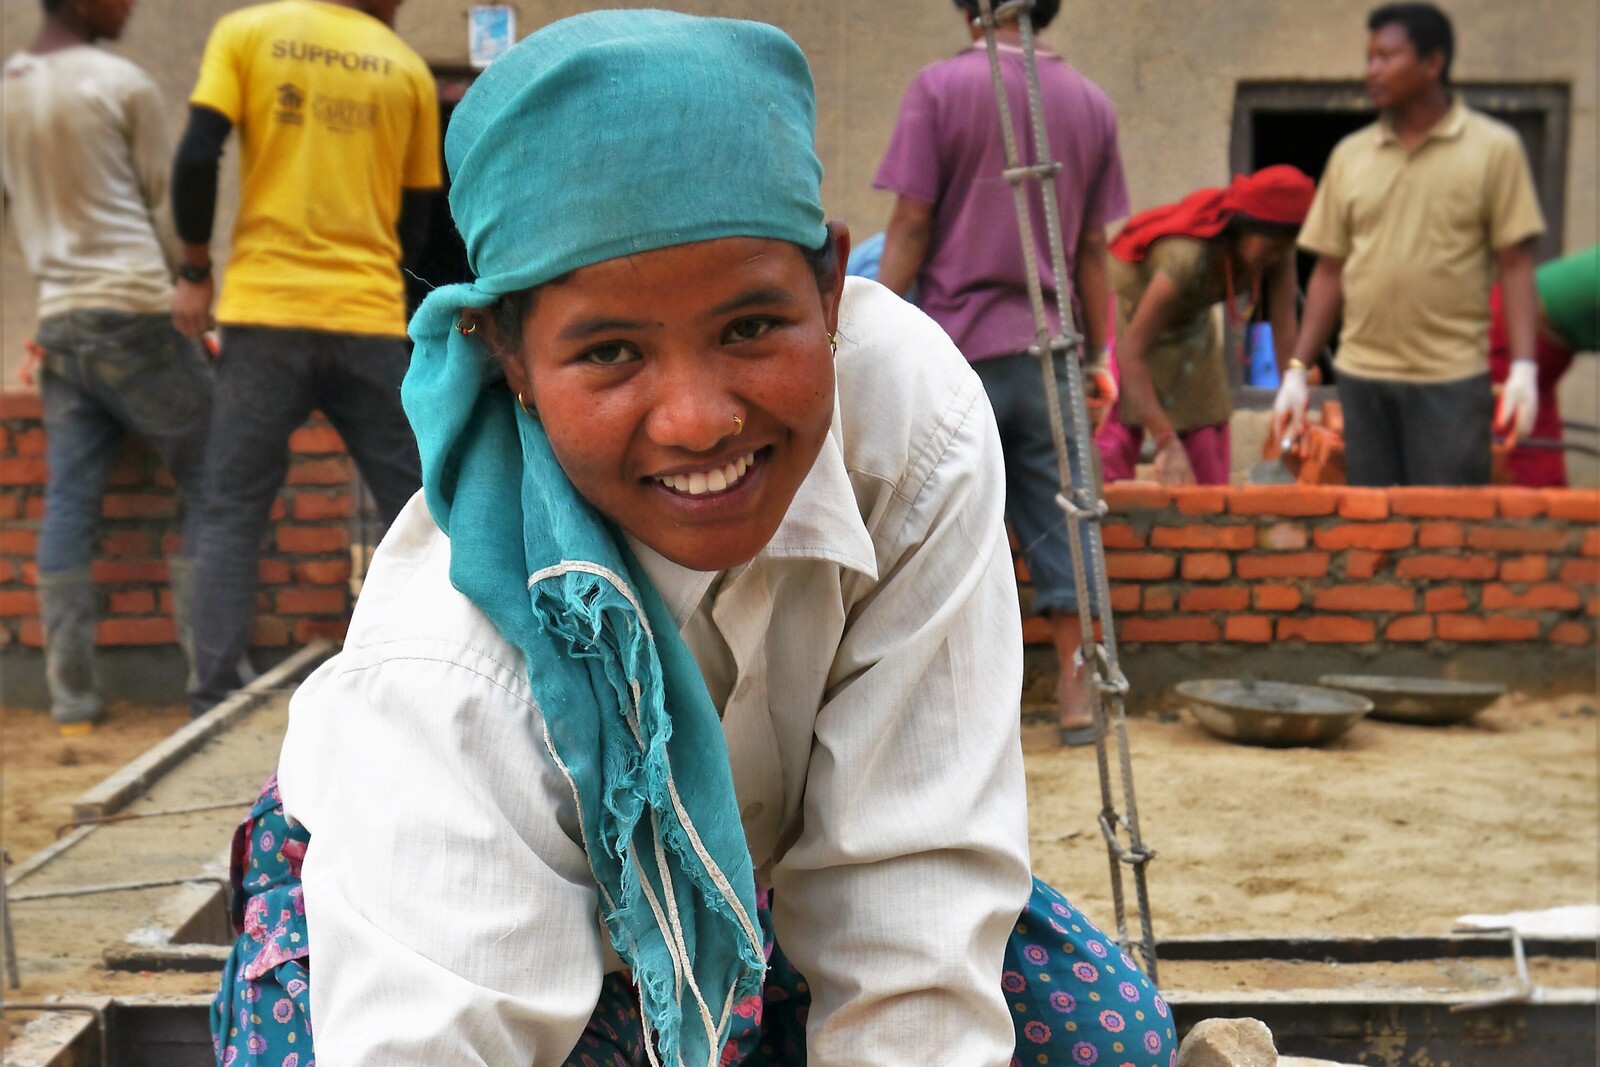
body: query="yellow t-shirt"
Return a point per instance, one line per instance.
(1417, 231)
(335, 114)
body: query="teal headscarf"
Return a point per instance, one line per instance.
(603, 135)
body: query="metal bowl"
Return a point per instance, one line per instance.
(1430, 701)
(1275, 714)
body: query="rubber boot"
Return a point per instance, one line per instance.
(67, 603)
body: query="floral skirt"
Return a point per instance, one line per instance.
(1075, 997)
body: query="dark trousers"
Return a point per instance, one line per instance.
(267, 382)
(1407, 433)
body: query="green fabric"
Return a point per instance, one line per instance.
(1569, 292)
(603, 135)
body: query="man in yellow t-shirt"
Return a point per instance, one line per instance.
(1414, 216)
(339, 127)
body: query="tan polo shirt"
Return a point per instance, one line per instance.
(1417, 232)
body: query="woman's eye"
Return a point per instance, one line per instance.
(748, 329)
(609, 355)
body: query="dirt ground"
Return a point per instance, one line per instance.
(1391, 829)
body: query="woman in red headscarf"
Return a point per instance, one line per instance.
(1170, 268)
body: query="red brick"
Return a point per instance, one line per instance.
(310, 440)
(150, 631)
(23, 472)
(1409, 628)
(31, 632)
(125, 544)
(1525, 569)
(1157, 600)
(1363, 563)
(128, 473)
(1518, 538)
(1140, 566)
(1364, 504)
(1574, 505)
(1445, 598)
(5, 441)
(1440, 534)
(1011, 539)
(1019, 567)
(33, 508)
(1365, 598)
(10, 505)
(19, 405)
(1206, 566)
(1137, 496)
(310, 539)
(1517, 503)
(273, 571)
(315, 506)
(1125, 599)
(319, 472)
(322, 572)
(1443, 503)
(116, 571)
(1571, 633)
(1592, 608)
(1037, 631)
(1287, 500)
(133, 602)
(1379, 535)
(309, 630)
(1487, 628)
(269, 631)
(29, 443)
(1215, 598)
(1203, 535)
(1200, 499)
(1591, 543)
(14, 602)
(1328, 629)
(1121, 535)
(1288, 565)
(139, 506)
(8, 570)
(18, 542)
(1170, 630)
(161, 478)
(323, 600)
(1256, 629)
(1283, 537)
(165, 602)
(1547, 596)
(1580, 571)
(1439, 568)
(280, 509)
(1276, 598)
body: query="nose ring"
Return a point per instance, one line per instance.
(738, 426)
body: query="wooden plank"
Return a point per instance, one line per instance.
(1367, 949)
(121, 788)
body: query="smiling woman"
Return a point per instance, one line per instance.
(678, 719)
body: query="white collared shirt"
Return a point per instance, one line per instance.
(868, 667)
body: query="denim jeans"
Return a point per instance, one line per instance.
(268, 381)
(105, 373)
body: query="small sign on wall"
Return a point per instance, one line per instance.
(491, 31)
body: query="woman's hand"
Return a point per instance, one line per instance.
(1172, 462)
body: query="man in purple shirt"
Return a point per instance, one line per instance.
(953, 235)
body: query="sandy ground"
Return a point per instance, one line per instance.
(1391, 829)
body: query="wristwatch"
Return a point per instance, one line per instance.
(194, 272)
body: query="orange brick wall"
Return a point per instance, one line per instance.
(1332, 565)
(305, 557)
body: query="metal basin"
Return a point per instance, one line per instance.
(1431, 701)
(1276, 714)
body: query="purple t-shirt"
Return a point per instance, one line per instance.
(947, 151)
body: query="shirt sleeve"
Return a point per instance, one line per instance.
(421, 775)
(1512, 206)
(1326, 231)
(910, 164)
(1108, 198)
(422, 151)
(898, 896)
(152, 160)
(220, 87)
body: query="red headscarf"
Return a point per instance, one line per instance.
(1280, 194)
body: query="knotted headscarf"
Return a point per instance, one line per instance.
(1278, 194)
(603, 135)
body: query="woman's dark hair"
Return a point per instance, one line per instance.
(510, 310)
(1044, 11)
(1243, 224)
(1427, 28)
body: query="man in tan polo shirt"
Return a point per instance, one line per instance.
(1414, 216)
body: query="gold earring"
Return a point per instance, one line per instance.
(833, 343)
(738, 426)
(466, 328)
(526, 410)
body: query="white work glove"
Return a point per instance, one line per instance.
(1289, 409)
(1519, 399)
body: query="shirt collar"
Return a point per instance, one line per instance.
(1454, 121)
(1007, 48)
(823, 523)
